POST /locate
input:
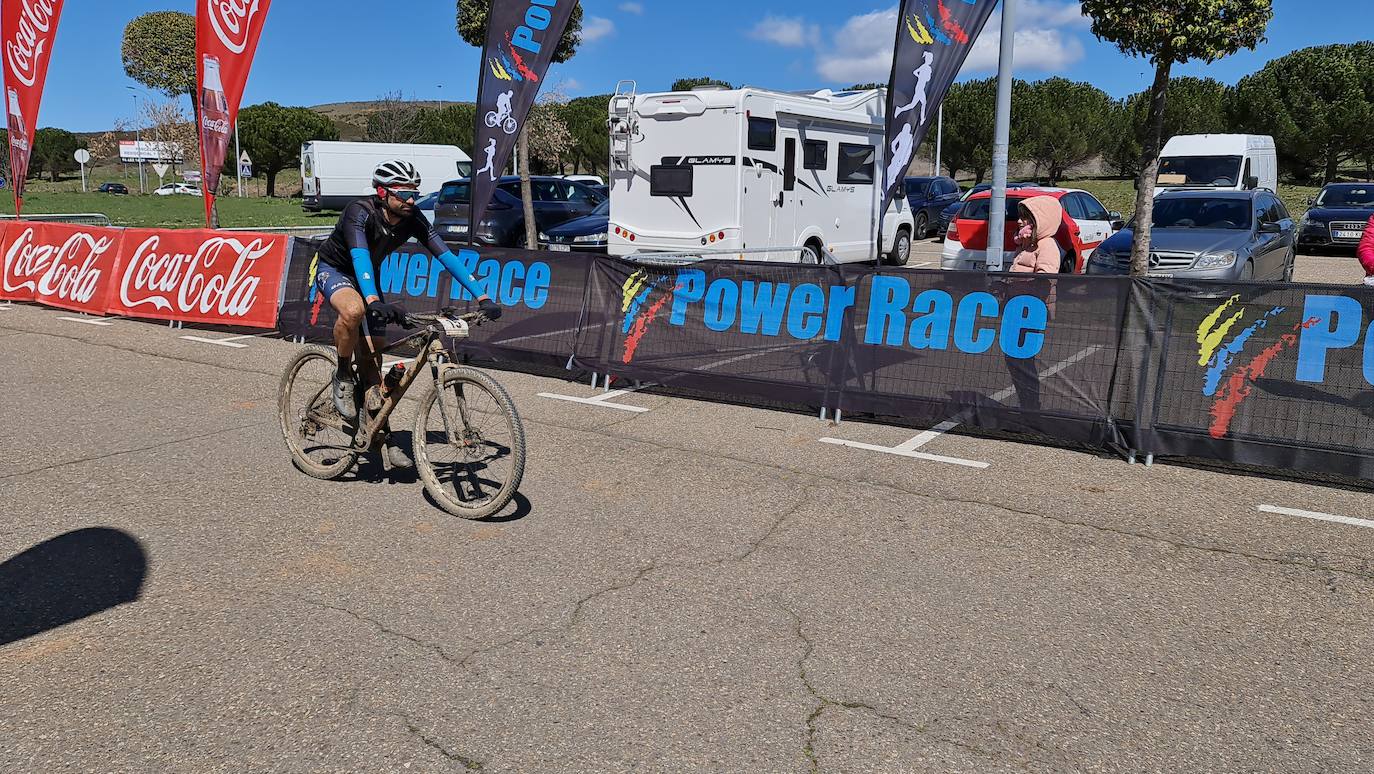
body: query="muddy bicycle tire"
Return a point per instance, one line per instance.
(292, 420)
(491, 411)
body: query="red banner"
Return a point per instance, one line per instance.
(200, 276)
(71, 267)
(227, 33)
(28, 28)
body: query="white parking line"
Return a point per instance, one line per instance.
(602, 400)
(923, 265)
(87, 321)
(905, 451)
(230, 341)
(1317, 516)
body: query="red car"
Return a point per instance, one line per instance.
(1087, 224)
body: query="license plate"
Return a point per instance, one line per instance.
(561, 248)
(457, 229)
(1347, 234)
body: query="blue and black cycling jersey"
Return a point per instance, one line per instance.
(363, 239)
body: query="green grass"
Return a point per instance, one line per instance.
(171, 211)
(1119, 195)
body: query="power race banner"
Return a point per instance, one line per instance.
(192, 276)
(227, 33)
(28, 28)
(934, 38)
(522, 36)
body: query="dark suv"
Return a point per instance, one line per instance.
(114, 188)
(555, 201)
(1337, 216)
(928, 196)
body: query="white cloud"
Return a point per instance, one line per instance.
(1045, 43)
(595, 28)
(793, 33)
(635, 8)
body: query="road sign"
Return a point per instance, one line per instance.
(245, 170)
(161, 169)
(3, 183)
(82, 156)
(245, 160)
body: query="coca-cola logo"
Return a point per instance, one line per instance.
(215, 125)
(31, 38)
(231, 20)
(68, 271)
(220, 278)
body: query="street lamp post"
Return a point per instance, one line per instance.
(138, 140)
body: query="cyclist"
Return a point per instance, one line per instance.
(369, 230)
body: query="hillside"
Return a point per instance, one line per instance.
(351, 117)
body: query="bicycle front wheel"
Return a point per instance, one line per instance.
(319, 439)
(469, 444)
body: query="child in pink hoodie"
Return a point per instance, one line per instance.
(1365, 252)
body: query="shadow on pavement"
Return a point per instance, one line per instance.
(68, 578)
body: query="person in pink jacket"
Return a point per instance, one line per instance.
(1365, 252)
(1040, 218)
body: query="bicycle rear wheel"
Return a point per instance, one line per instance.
(469, 444)
(320, 441)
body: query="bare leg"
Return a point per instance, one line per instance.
(350, 309)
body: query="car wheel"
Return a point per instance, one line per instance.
(922, 226)
(901, 249)
(1247, 272)
(1290, 265)
(810, 254)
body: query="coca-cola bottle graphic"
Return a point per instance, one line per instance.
(214, 122)
(19, 139)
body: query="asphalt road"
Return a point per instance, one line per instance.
(700, 587)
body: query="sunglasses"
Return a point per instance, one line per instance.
(405, 196)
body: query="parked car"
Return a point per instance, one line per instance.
(1337, 216)
(178, 188)
(928, 197)
(1087, 224)
(588, 234)
(1216, 235)
(555, 201)
(427, 203)
(592, 180)
(948, 213)
(118, 189)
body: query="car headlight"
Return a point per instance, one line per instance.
(1216, 260)
(1305, 222)
(591, 238)
(1103, 257)
(543, 237)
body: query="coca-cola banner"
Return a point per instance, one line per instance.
(200, 276)
(934, 38)
(227, 33)
(522, 36)
(28, 28)
(71, 267)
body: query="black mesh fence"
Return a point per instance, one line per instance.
(1280, 375)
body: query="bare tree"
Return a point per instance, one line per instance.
(394, 119)
(173, 131)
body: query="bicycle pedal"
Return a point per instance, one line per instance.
(374, 399)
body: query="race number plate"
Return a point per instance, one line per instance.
(456, 328)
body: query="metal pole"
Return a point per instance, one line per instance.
(1001, 142)
(939, 138)
(238, 154)
(138, 149)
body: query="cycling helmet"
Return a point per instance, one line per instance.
(397, 172)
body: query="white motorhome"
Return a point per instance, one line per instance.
(746, 169)
(334, 174)
(1225, 162)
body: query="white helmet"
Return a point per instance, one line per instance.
(396, 172)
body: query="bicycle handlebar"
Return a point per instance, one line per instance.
(420, 320)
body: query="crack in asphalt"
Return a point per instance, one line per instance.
(437, 649)
(824, 702)
(140, 450)
(619, 586)
(467, 762)
(817, 474)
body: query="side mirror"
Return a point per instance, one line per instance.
(1271, 228)
(1311, 201)
(1251, 182)
(1118, 223)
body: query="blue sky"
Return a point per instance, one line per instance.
(318, 51)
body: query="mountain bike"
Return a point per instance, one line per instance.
(469, 444)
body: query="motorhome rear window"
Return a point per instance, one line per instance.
(856, 163)
(665, 180)
(815, 154)
(763, 134)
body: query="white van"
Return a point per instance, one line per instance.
(747, 169)
(1226, 162)
(335, 174)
